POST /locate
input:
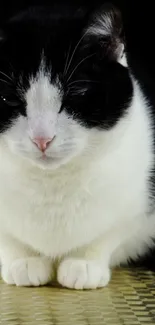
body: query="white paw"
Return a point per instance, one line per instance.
(31, 271)
(82, 274)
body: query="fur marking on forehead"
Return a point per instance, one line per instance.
(43, 94)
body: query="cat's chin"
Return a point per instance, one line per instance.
(48, 163)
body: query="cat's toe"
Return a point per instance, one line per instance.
(82, 274)
(31, 271)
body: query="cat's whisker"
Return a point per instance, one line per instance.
(67, 58)
(78, 81)
(7, 82)
(75, 49)
(5, 75)
(83, 60)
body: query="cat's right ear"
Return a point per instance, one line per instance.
(106, 29)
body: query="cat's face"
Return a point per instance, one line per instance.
(60, 84)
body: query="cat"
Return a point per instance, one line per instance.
(76, 149)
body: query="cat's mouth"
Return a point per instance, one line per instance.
(46, 162)
(45, 158)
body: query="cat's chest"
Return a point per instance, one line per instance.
(57, 214)
(52, 215)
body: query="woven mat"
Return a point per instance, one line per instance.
(129, 300)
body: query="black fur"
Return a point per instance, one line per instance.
(94, 78)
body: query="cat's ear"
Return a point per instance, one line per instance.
(106, 27)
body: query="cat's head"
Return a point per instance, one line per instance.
(62, 81)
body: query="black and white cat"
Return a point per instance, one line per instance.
(76, 149)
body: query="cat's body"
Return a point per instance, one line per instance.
(85, 203)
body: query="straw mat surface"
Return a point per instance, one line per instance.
(129, 300)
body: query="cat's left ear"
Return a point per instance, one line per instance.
(106, 27)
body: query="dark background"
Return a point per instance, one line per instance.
(139, 20)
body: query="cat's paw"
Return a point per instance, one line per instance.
(82, 274)
(31, 271)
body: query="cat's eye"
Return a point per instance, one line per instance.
(14, 102)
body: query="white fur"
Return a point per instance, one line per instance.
(85, 207)
(103, 25)
(43, 105)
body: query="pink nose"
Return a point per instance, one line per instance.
(42, 143)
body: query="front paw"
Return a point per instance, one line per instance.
(31, 271)
(82, 274)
